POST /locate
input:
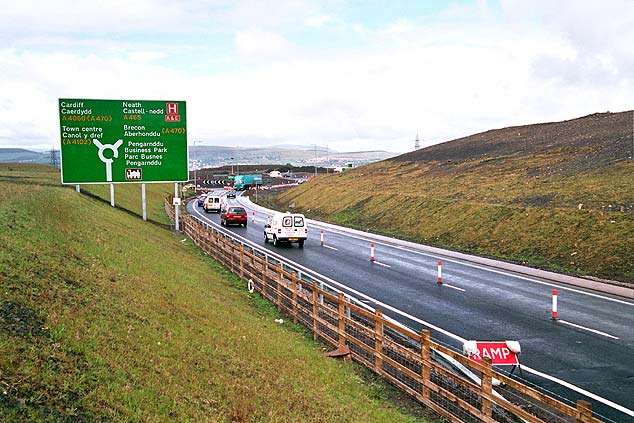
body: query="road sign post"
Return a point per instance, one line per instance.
(177, 203)
(143, 202)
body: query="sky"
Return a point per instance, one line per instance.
(349, 75)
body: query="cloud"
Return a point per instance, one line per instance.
(112, 17)
(600, 36)
(268, 15)
(306, 74)
(255, 44)
(317, 21)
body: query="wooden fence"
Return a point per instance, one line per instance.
(409, 360)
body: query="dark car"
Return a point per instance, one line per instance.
(233, 215)
(201, 200)
(231, 194)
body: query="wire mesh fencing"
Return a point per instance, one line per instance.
(454, 386)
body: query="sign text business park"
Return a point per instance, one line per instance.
(117, 141)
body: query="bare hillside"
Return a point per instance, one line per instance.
(556, 195)
(591, 141)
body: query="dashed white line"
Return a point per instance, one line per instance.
(598, 332)
(366, 298)
(453, 287)
(332, 248)
(580, 390)
(381, 264)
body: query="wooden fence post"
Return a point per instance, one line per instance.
(278, 287)
(315, 310)
(264, 274)
(378, 341)
(212, 240)
(425, 368)
(486, 388)
(342, 318)
(241, 261)
(234, 256)
(294, 291)
(584, 411)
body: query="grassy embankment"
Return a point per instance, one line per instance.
(491, 207)
(128, 197)
(104, 317)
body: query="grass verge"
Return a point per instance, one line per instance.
(581, 224)
(104, 317)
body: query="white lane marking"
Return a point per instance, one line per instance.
(381, 264)
(581, 391)
(328, 246)
(453, 287)
(588, 329)
(475, 266)
(487, 269)
(550, 284)
(480, 267)
(460, 339)
(363, 297)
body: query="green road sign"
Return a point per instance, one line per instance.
(119, 141)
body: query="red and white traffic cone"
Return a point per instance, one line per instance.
(554, 312)
(439, 271)
(321, 237)
(372, 251)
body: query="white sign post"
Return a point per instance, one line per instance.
(177, 202)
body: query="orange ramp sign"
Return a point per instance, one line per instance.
(501, 353)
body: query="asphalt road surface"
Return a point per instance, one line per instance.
(590, 346)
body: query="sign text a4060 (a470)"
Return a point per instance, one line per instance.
(119, 141)
(84, 118)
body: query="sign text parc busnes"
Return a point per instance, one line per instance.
(118, 141)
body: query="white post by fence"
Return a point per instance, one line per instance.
(321, 237)
(143, 202)
(176, 209)
(372, 251)
(439, 271)
(554, 312)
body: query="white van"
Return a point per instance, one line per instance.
(286, 227)
(212, 203)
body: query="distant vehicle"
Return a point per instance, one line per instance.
(212, 203)
(286, 227)
(233, 215)
(242, 182)
(200, 200)
(231, 194)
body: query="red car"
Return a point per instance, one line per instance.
(233, 215)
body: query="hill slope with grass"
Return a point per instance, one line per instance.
(104, 317)
(557, 196)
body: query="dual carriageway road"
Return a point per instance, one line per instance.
(590, 349)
